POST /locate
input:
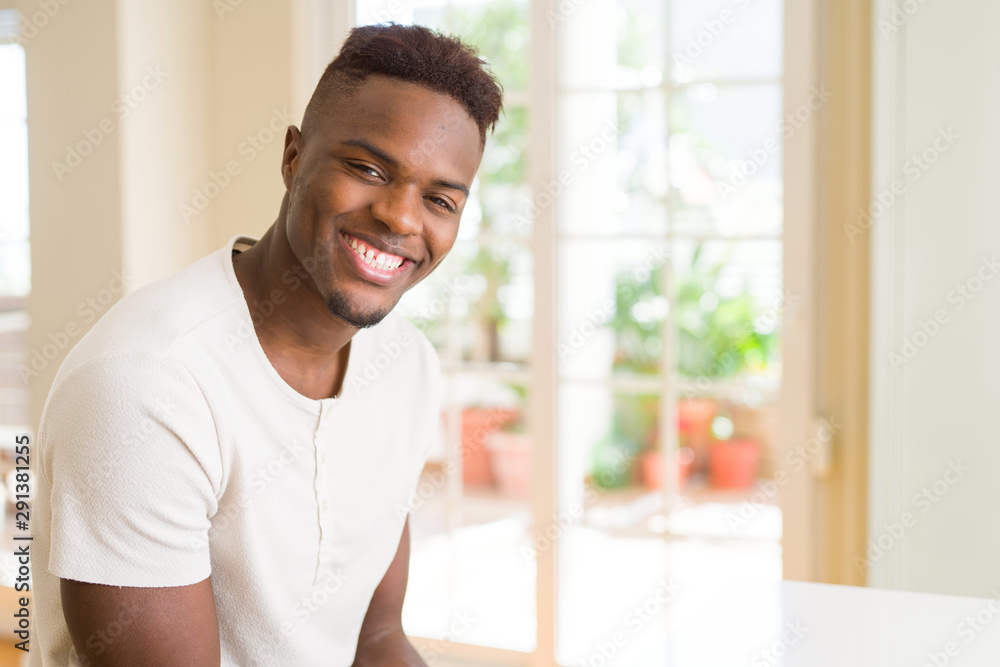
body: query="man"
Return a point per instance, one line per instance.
(221, 481)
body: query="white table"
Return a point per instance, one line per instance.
(797, 624)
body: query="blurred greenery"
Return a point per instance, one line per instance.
(500, 31)
(716, 338)
(716, 334)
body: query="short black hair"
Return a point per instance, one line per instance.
(415, 54)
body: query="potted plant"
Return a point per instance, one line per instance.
(479, 423)
(510, 456)
(733, 461)
(716, 340)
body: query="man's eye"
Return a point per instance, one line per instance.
(366, 170)
(442, 203)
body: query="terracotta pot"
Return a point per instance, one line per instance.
(510, 454)
(694, 424)
(477, 426)
(732, 464)
(651, 473)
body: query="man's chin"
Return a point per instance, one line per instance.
(343, 308)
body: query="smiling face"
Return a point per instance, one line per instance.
(376, 191)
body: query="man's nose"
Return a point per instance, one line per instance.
(399, 209)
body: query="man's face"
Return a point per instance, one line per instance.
(376, 191)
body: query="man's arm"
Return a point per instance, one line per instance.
(382, 642)
(155, 627)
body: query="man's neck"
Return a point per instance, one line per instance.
(304, 342)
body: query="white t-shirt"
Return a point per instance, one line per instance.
(170, 449)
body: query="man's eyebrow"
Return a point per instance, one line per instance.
(454, 186)
(377, 152)
(382, 155)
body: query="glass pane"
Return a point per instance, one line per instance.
(640, 202)
(15, 268)
(501, 200)
(14, 323)
(612, 163)
(729, 306)
(603, 436)
(471, 522)
(642, 41)
(611, 308)
(500, 31)
(13, 181)
(13, 104)
(587, 51)
(726, 166)
(497, 325)
(726, 39)
(477, 306)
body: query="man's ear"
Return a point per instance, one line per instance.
(290, 158)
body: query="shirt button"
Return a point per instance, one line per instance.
(322, 457)
(325, 506)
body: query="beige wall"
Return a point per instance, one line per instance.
(936, 300)
(76, 222)
(163, 49)
(203, 89)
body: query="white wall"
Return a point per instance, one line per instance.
(940, 69)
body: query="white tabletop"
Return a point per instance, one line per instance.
(797, 624)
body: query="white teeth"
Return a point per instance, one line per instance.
(379, 260)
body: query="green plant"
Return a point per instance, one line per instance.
(716, 335)
(716, 338)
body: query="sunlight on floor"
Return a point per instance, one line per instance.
(477, 584)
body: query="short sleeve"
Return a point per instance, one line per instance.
(131, 456)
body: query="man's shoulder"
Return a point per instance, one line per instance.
(157, 319)
(394, 356)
